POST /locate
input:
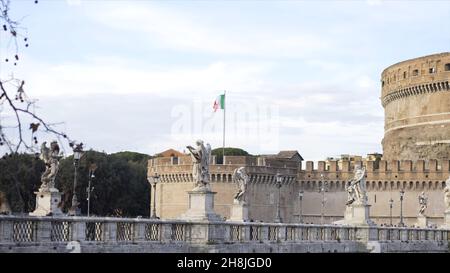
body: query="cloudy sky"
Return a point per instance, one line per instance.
(143, 75)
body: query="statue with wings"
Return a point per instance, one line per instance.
(423, 200)
(357, 187)
(200, 170)
(447, 195)
(51, 158)
(241, 178)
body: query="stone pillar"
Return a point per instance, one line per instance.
(47, 203)
(422, 221)
(44, 230)
(6, 231)
(139, 232)
(446, 224)
(166, 232)
(239, 213)
(356, 214)
(110, 229)
(79, 231)
(201, 206)
(265, 234)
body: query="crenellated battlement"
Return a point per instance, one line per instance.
(432, 165)
(179, 169)
(380, 175)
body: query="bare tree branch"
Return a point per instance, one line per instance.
(15, 101)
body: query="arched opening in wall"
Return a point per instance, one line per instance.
(423, 185)
(447, 67)
(392, 185)
(430, 185)
(436, 185)
(313, 185)
(330, 185)
(230, 177)
(308, 185)
(411, 185)
(404, 185)
(380, 185)
(417, 185)
(224, 178)
(337, 186)
(398, 184)
(443, 185)
(213, 177)
(415, 72)
(404, 75)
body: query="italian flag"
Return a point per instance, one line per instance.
(219, 103)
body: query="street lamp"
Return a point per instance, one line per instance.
(402, 193)
(322, 190)
(300, 197)
(279, 178)
(92, 169)
(153, 180)
(391, 202)
(77, 154)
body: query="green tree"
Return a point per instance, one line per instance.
(228, 151)
(20, 177)
(120, 183)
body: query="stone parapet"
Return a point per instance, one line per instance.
(143, 235)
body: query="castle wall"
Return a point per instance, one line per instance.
(262, 193)
(416, 100)
(384, 181)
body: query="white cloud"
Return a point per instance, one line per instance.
(181, 31)
(73, 2)
(81, 79)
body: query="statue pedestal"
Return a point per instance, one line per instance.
(356, 215)
(422, 221)
(47, 201)
(446, 224)
(201, 206)
(239, 213)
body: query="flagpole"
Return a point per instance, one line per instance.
(224, 109)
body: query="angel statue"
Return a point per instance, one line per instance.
(357, 187)
(423, 200)
(447, 195)
(241, 178)
(51, 158)
(200, 171)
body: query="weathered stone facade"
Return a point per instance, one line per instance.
(416, 146)
(416, 99)
(384, 181)
(176, 181)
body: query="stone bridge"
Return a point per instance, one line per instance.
(95, 234)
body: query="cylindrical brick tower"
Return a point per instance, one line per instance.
(416, 99)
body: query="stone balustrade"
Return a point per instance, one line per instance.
(96, 234)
